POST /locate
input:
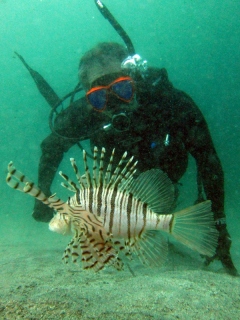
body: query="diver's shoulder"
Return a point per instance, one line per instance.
(158, 78)
(75, 112)
(156, 72)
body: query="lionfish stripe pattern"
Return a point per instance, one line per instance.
(88, 232)
(112, 212)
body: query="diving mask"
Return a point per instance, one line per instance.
(122, 88)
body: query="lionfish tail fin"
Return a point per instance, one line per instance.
(195, 228)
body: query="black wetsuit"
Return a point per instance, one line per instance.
(165, 128)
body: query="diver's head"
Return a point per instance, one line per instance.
(105, 58)
(109, 89)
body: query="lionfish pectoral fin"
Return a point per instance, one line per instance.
(18, 181)
(151, 248)
(72, 250)
(102, 248)
(95, 248)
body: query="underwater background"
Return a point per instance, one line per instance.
(198, 43)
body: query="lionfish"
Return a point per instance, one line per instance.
(113, 214)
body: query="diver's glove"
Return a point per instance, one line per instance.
(223, 250)
(42, 212)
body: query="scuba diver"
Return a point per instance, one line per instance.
(135, 108)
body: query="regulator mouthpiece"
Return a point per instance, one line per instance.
(120, 122)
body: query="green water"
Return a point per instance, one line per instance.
(198, 43)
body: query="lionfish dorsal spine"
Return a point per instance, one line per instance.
(76, 171)
(101, 168)
(129, 178)
(95, 167)
(126, 175)
(120, 179)
(116, 176)
(109, 170)
(87, 172)
(70, 185)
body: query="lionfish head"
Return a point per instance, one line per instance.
(60, 223)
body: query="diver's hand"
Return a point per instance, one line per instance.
(223, 251)
(42, 212)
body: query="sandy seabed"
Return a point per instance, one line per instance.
(35, 284)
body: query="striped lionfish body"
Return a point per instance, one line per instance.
(112, 212)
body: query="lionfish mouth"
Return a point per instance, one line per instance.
(60, 224)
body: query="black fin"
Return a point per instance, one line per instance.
(44, 88)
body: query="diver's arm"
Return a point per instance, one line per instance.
(199, 143)
(187, 121)
(53, 148)
(71, 123)
(208, 163)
